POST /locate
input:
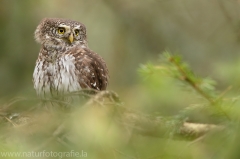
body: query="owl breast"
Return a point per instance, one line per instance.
(56, 76)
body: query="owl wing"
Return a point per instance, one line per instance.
(91, 69)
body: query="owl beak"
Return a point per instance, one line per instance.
(71, 37)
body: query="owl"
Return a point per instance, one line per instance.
(65, 63)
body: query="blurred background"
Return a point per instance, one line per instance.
(127, 34)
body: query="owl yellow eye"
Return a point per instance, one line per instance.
(76, 32)
(61, 30)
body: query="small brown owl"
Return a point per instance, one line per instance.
(65, 63)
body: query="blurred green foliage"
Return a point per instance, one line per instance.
(101, 132)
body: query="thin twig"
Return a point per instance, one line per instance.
(195, 87)
(223, 93)
(14, 124)
(191, 82)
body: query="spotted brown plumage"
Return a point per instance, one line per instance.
(65, 63)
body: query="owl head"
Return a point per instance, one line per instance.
(64, 32)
